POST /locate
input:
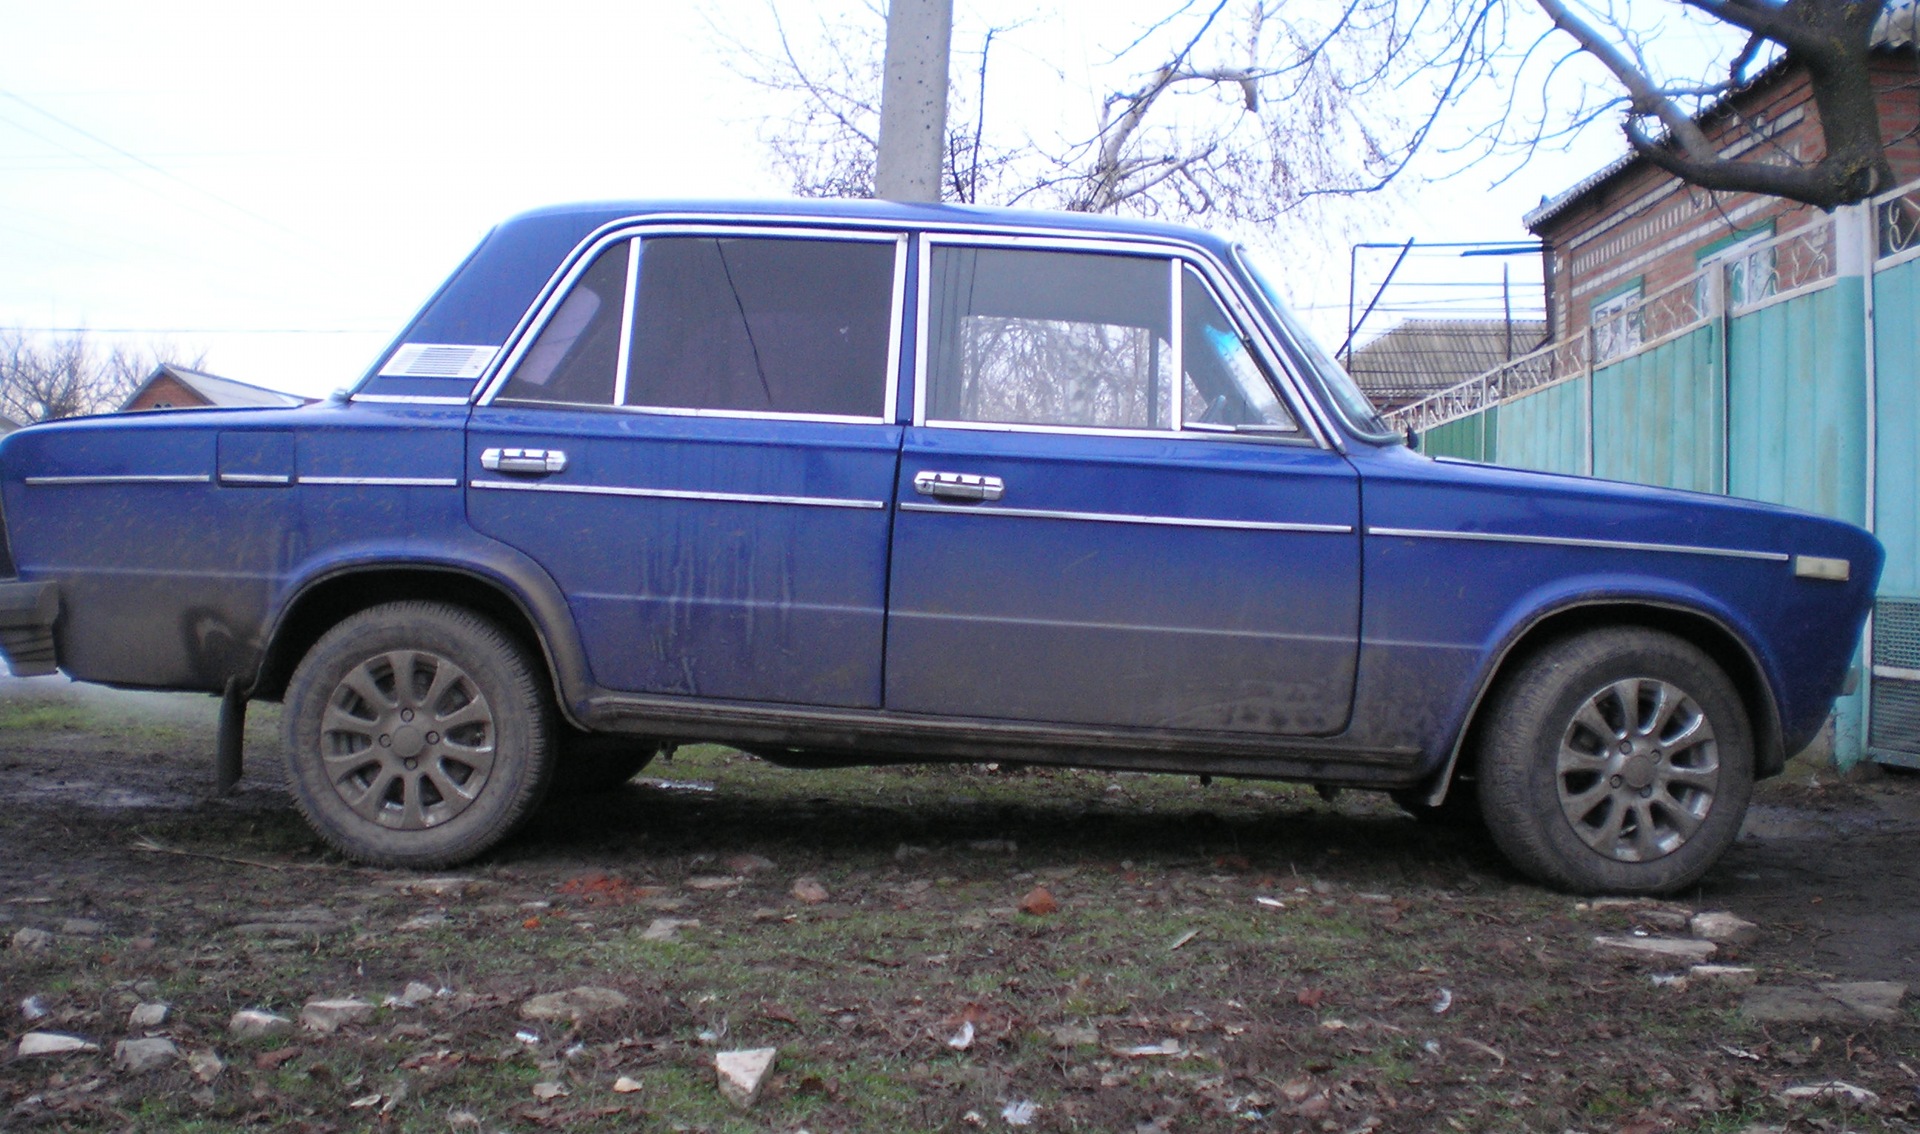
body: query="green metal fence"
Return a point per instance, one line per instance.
(1790, 375)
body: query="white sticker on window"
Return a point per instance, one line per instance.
(438, 360)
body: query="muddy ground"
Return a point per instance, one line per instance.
(978, 948)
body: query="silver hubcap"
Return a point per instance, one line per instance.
(1638, 769)
(407, 740)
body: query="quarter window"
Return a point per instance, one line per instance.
(1223, 381)
(575, 355)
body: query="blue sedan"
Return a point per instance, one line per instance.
(857, 483)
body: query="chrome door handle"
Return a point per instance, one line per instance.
(959, 486)
(533, 462)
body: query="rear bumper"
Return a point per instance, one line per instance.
(27, 614)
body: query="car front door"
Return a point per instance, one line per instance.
(698, 445)
(1109, 514)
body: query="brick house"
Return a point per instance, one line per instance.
(176, 387)
(1631, 230)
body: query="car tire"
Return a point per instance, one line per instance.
(1618, 761)
(418, 735)
(594, 762)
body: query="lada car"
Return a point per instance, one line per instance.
(849, 483)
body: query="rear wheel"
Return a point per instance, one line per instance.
(1619, 761)
(418, 734)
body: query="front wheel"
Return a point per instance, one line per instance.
(1618, 761)
(418, 735)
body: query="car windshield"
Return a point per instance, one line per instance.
(1346, 395)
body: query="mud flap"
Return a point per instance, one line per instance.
(233, 728)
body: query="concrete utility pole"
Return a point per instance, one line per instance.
(913, 100)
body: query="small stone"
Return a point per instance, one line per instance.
(449, 886)
(35, 1008)
(1659, 948)
(416, 992)
(53, 1043)
(1733, 976)
(423, 923)
(150, 1015)
(1665, 919)
(252, 1023)
(1833, 1091)
(715, 882)
(748, 863)
(1075, 1035)
(625, 1085)
(137, 1055)
(1838, 1003)
(205, 1065)
(31, 940)
(668, 928)
(547, 1092)
(575, 1004)
(329, 1016)
(1876, 1000)
(1723, 927)
(743, 1073)
(82, 927)
(809, 891)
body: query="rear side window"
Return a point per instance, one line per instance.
(751, 324)
(1031, 337)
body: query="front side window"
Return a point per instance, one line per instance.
(1028, 337)
(748, 324)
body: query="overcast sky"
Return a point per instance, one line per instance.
(281, 188)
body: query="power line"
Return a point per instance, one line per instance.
(137, 159)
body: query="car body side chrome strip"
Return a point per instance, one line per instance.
(386, 481)
(1122, 518)
(136, 478)
(1571, 541)
(679, 494)
(255, 478)
(409, 399)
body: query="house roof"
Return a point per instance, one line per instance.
(1897, 29)
(220, 392)
(1421, 356)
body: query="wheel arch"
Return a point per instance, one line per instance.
(325, 600)
(1727, 649)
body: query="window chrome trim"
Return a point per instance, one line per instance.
(679, 494)
(1127, 518)
(629, 298)
(1573, 541)
(409, 399)
(1292, 389)
(641, 228)
(386, 481)
(255, 478)
(121, 478)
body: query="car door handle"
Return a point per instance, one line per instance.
(525, 462)
(959, 486)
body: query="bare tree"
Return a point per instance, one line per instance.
(1244, 108)
(46, 378)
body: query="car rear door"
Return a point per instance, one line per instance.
(698, 444)
(1109, 514)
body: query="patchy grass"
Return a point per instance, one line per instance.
(1316, 1009)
